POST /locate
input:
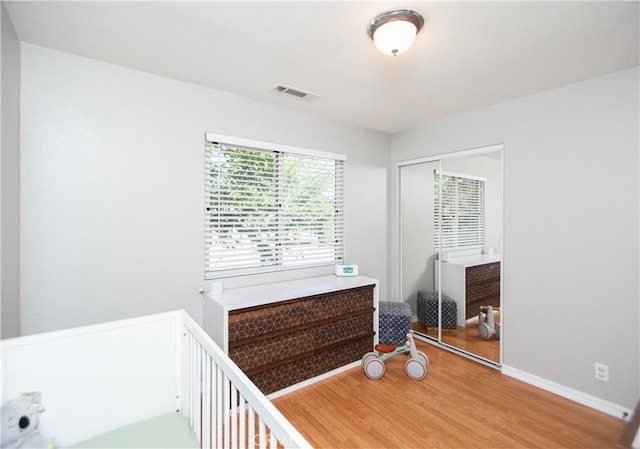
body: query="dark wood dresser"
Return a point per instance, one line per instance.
(286, 333)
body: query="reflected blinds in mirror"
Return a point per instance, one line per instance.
(459, 211)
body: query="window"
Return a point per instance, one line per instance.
(270, 207)
(459, 210)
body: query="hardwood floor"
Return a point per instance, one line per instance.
(460, 404)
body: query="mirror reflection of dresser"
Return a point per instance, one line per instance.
(472, 282)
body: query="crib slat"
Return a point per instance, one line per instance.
(219, 407)
(273, 442)
(226, 398)
(190, 379)
(234, 416)
(262, 434)
(198, 389)
(251, 427)
(194, 395)
(243, 424)
(192, 411)
(210, 410)
(206, 401)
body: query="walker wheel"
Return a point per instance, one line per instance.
(423, 358)
(415, 369)
(367, 356)
(485, 331)
(374, 368)
(497, 326)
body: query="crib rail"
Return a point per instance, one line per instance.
(225, 409)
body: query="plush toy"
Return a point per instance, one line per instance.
(20, 419)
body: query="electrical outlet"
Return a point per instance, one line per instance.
(602, 372)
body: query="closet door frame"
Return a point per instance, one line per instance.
(440, 158)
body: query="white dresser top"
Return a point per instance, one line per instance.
(239, 298)
(470, 261)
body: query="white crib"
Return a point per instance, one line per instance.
(98, 378)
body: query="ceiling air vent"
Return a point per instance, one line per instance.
(294, 91)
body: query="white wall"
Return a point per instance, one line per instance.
(10, 180)
(571, 294)
(113, 188)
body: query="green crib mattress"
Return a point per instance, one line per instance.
(170, 430)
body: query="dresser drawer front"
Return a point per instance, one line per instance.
(283, 376)
(341, 355)
(482, 273)
(343, 303)
(487, 294)
(265, 320)
(481, 291)
(342, 329)
(274, 349)
(291, 373)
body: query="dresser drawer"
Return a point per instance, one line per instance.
(482, 273)
(343, 303)
(266, 351)
(283, 376)
(250, 323)
(485, 294)
(287, 374)
(342, 329)
(478, 292)
(340, 354)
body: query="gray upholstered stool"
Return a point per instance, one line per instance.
(395, 322)
(428, 309)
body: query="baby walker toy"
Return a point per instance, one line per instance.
(488, 327)
(415, 366)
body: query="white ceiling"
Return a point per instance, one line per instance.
(469, 55)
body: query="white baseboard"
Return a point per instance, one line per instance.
(593, 402)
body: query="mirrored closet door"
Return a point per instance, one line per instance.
(451, 249)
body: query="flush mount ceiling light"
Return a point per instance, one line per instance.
(393, 32)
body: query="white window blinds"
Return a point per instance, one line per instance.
(459, 211)
(267, 209)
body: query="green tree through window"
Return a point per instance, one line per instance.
(271, 209)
